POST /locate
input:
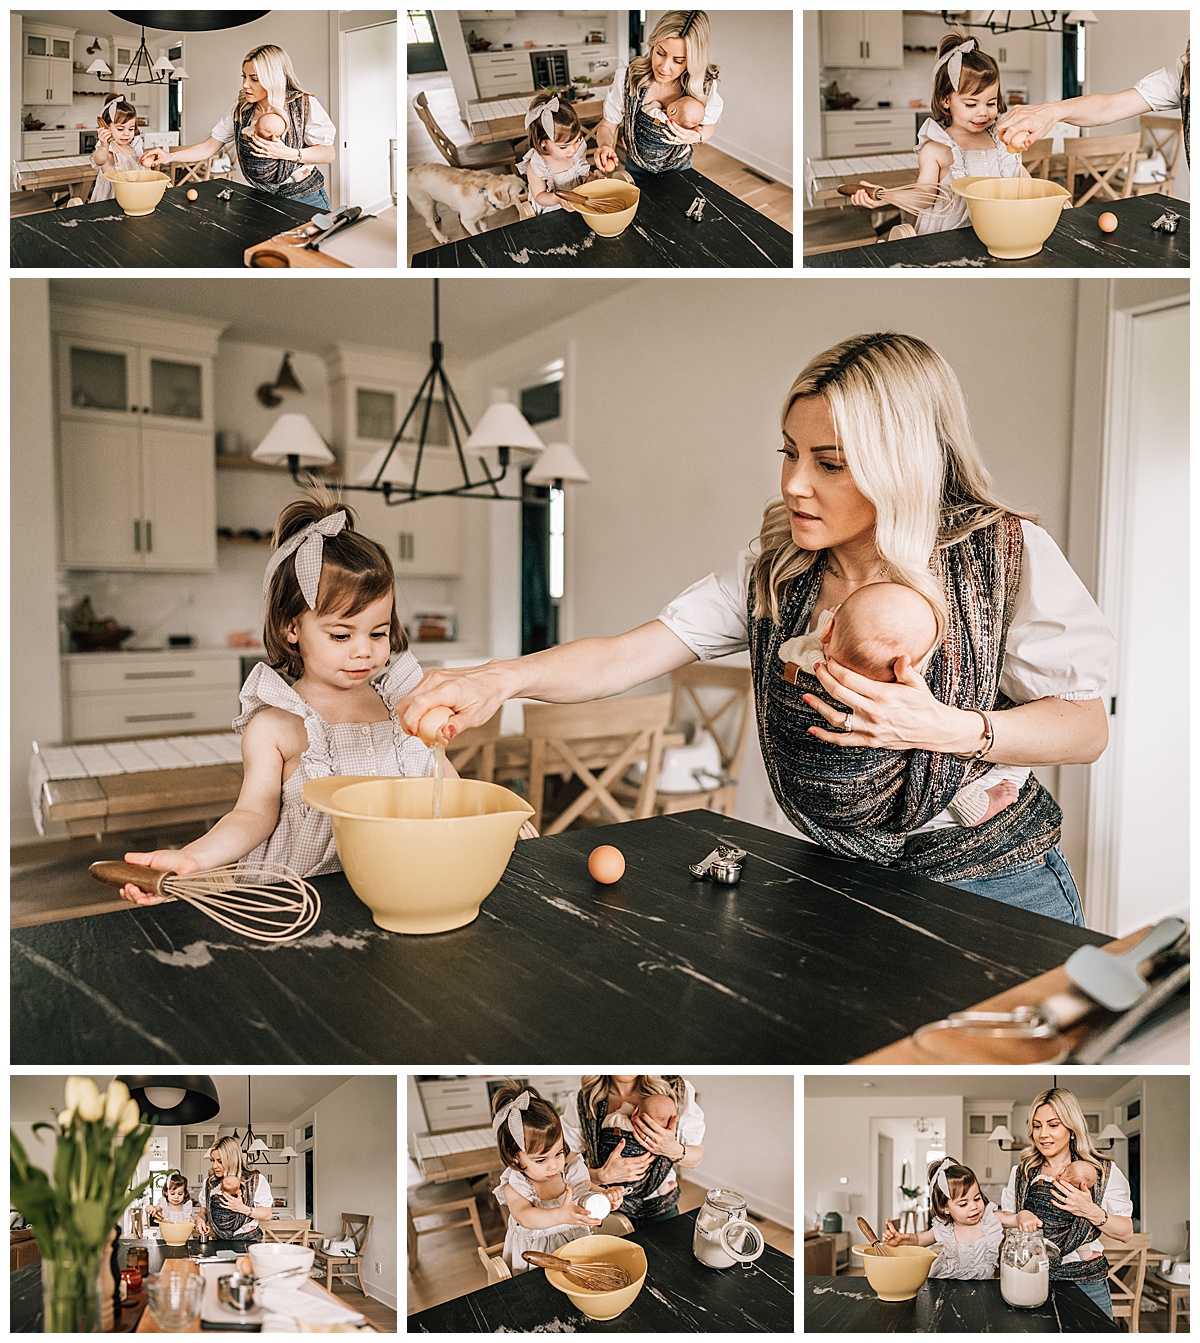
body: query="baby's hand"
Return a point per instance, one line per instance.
(164, 860)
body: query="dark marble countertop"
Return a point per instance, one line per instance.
(205, 232)
(680, 1295)
(945, 1305)
(730, 233)
(812, 959)
(1076, 242)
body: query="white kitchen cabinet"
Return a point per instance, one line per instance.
(106, 382)
(455, 1103)
(49, 144)
(114, 695)
(429, 544)
(853, 134)
(122, 50)
(862, 39)
(985, 1158)
(500, 72)
(1013, 51)
(46, 65)
(487, 14)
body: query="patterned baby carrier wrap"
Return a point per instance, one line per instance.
(223, 1219)
(599, 1143)
(1067, 1231)
(862, 802)
(274, 175)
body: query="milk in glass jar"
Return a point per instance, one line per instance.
(723, 1237)
(1024, 1269)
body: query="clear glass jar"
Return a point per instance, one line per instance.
(723, 1236)
(1024, 1269)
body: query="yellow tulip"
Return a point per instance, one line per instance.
(89, 1104)
(131, 1117)
(115, 1100)
(65, 1117)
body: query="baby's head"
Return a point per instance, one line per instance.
(529, 1134)
(230, 1184)
(270, 125)
(879, 623)
(687, 112)
(954, 1193)
(555, 125)
(1082, 1174)
(662, 1109)
(175, 1188)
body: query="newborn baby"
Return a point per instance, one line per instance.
(872, 629)
(269, 126)
(661, 1109)
(686, 111)
(1082, 1174)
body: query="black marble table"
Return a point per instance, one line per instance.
(680, 1295)
(847, 1305)
(159, 1251)
(810, 960)
(729, 233)
(1076, 241)
(204, 232)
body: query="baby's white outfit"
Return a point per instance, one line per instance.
(993, 162)
(303, 839)
(171, 1212)
(545, 1240)
(970, 1259)
(621, 1119)
(537, 171)
(125, 160)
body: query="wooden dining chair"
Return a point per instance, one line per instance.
(1107, 160)
(1036, 159)
(1127, 1275)
(431, 1200)
(492, 1259)
(1161, 135)
(473, 752)
(577, 740)
(356, 1226)
(496, 157)
(288, 1230)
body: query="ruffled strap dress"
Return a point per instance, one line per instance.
(546, 1240)
(303, 839)
(967, 1259)
(537, 170)
(993, 162)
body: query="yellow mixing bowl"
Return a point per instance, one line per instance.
(609, 225)
(415, 874)
(1012, 216)
(896, 1276)
(176, 1233)
(609, 1250)
(138, 191)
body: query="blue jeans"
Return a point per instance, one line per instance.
(639, 1222)
(1043, 885)
(320, 199)
(1099, 1293)
(641, 176)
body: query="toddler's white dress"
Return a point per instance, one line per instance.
(538, 171)
(970, 1259)
(546, 1240)
(124, 160)
(993, 162)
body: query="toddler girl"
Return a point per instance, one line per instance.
(542, 1184)
(119, 147)
(959, 140)
(557, 160)
(967, 1229)
(174, 1205)
(331, 626)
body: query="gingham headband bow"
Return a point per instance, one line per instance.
(111, 102)
(307, 545)
(953, 60)
(510, 1114)
(544, 114)
(939, 1177)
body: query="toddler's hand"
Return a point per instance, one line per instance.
(893, 1237)
(864, 197)
(164, 860)
(104, 137)
(566, 205)
(615, 1195)
(574, 1215)
(1026, 1221)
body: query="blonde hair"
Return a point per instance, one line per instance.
(902, 429)
(273, 70)
(690, 25)
(594, 1088)
(979, 71)
(231, 1159)
(1070, 1113)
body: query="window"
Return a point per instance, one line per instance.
(543, 520)
(420, 30)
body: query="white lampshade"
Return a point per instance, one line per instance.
(293, 435)
(289, 1151)
(1081, 16)
(503, 426)
(557, 463)
(259, 1146)
(181, 73)
(98, 67)
(1000, 1134)
(163, 65)
(1110, 1133)
(398, 472)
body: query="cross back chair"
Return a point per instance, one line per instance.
(1127, 1275)
(482, 158)
(356, 1226)
(1107, 159)
(1161, 135)
(287, 1230)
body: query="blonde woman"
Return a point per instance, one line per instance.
(234, 1200)
(675, 66)
(284, 165)
(1072, 1217)
(644, 1157)
(881, 480)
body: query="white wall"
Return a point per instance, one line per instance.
(35, 710)
(1166, 1152)
(355, 1171)
(749, 1141)
(15, 48)
(810, 90)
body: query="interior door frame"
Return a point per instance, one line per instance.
(339, 77)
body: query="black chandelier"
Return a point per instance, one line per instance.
(253, 1147)
(1040, 20)
(142, 69)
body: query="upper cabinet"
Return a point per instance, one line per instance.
(103, 381)
(863, 39)
(1013, 51)
(46, 65)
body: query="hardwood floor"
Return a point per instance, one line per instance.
(384, 1318)
(448, 1264)
(768, 197)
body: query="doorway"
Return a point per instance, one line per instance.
(424, 49)
(366, 160)
(309, 1209)
(542, 520)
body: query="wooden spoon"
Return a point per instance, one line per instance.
(876, 1244)
(593, 1277)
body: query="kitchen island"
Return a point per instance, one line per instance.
(680, 1295)
(812, 959)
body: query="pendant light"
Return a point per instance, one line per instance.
(174, 1100)
(1020, 20)
(254, 1150)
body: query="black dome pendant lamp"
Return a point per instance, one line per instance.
(190, 20)
(174, 1100)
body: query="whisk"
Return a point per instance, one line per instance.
(913, 197)
(596, 1276)
(876, 1244)
(597, 205)
(268, 904)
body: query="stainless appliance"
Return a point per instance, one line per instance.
(87, 142)
(549, 67)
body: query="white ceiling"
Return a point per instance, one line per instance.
(478, 314)
(277, 1100)
(1020, 1086)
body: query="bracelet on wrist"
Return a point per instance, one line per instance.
(989, 738)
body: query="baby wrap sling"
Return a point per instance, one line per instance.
(600, 1143)
(862, 801)
(274, 175)
(1067, 1231)
(223, 1219)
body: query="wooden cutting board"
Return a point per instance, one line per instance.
(284, 253)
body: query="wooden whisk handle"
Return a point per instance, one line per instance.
(122, 874)
(849, 188)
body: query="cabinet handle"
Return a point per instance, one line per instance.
(158, 717)
(158, 675)
(877, 121)
(137, 534)
(460, 1107)
(873, 144)
(149, 536)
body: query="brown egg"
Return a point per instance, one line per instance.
(193, 194)
(1107, 222)
(430, 726)
(606, 864)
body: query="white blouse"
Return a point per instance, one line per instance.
(689, 1128)
(1117, 1202)
(318, 130)
(1163, 90)
(614, 102)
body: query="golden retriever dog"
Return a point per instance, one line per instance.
(471, 195)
